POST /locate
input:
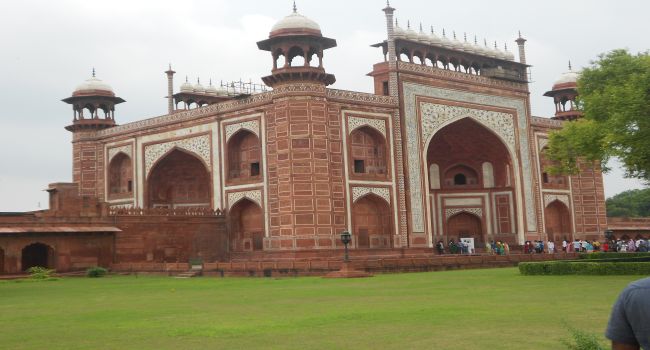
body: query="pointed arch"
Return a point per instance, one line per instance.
(120, 176)
(179, 179)
(38, 254)
(243, 157)
(465, 224)
(557, 220)
(246, 226)
(372, 225)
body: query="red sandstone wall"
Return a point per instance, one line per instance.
(305, 174)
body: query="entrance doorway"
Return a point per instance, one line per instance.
(465, 225)
(37, 254)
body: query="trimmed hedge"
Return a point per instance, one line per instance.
(609, 255)
(584, 268)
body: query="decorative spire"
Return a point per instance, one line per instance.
(210, 81)
(495, 45)
(396, 24)
(454, 34)
(408, 24)
(187, 81)
(520, 33)
(475, 40)
(485, 42)
(432, 30)
(198, 80)
(505, 46)
(570, 68)
(465, 36)
(421, 27)
(443, 33)
(93, 72)
(295, 9)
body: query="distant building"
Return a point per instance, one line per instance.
(445, 148)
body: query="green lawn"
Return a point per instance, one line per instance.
(465, 309)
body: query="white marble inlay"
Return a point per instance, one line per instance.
(358, 192)
(126, 149)
(251, 125)
(253, 195)
(453, 211)
(199, 145)
(357, 122)
(549, 198)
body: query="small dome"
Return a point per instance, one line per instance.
(187, 87)
(211, 89)
(567, 78)
(434, 39)
(422, 36)
(456, 44)
(296, 21)
(411, 34)
(510, 56)
(398, 32)
(198, 87)
(93, 86)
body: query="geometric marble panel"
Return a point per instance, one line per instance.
(254, 195)
(358, 192)
(199, 145)
(126, 149)
(357, 122)
(251, 125)
(453, 211)
(548, 198)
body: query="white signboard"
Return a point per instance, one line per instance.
(470, 244)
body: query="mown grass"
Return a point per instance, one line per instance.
(470, 309)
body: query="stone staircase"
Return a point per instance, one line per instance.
(196, 270)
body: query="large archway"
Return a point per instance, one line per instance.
(179, 180)
(557, 219)
(461, 149)
(367, 153)
(120, 176)
(465, 225)
(371, 223)
(37, 254)
(246, 226)
(244, 157)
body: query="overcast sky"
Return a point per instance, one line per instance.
(49, 47)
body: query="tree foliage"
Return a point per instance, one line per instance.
(633, 203)
(614, 95)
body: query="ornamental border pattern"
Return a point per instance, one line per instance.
(199, 145)
(358, 192)
(549, 198)
(437, 116)
(411, 91)
(126, 149)
(253, 100)
(542, 142)
(253, 195)
(420, 69)
(357, 122)
(453, 211)
(251, 125)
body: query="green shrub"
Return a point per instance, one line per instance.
(584, 268)
(611, 255)
(96, 272)
(39, 273)
(582, 340)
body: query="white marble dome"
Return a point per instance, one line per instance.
(93, 84)
(568, 77)
(187, 87)
(295, 21)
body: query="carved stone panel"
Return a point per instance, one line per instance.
(199, 145)
(358, 192)
(126, 149)
(253, 195)
(357, 122)
(453, 211)
(251, 125)
(548, 198)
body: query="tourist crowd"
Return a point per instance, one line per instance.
(580, 246)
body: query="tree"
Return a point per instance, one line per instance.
(614, 95)
(633, 203)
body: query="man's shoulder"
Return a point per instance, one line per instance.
(640, 284)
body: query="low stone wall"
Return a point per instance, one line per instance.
(319, 267)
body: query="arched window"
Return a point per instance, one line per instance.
(460, 179)
(180, 179)
(120, 176)
(244, 157)
(368, 152)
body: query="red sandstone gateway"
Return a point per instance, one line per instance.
(446, 148)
